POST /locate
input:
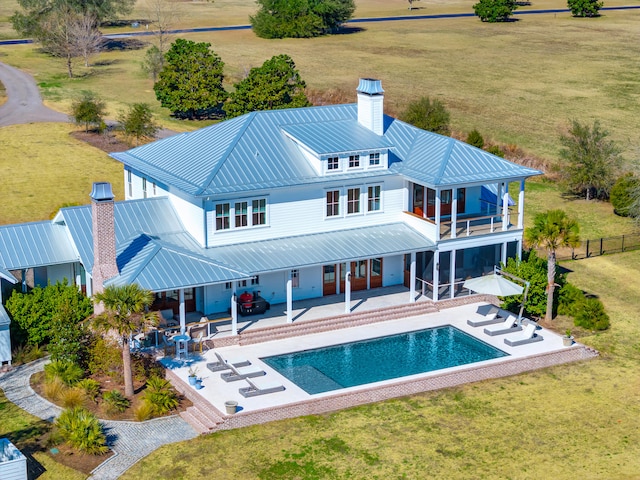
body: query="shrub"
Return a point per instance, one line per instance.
(495, 150)
(105, 358)
(82, 431)
(474, 138)
(591, 315)
(160, 395)
(621, 196)
(138, 123)
(115, 401)
(89, 110)
(26, 353)
(90, 387)
(584, 8)
(494, 10)
(570, 299)
(54, 388)
(68, 372)
(144, 411)
(429, 115)
(72, 397)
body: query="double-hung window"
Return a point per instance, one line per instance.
(129, 183)
(241, 214)
(259, 211)
(373, 198)
(374, 159)
(144, 188)
(295, 278)
(222, 216)
(354, 161)
(353, 200)
(333, 203)
(333, 163)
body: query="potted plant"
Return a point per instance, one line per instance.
(193, 375)
(567, 339)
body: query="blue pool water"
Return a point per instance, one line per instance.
(383, 358)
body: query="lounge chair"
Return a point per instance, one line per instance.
(491, 315)
(528, 335)
(242, 373)
(510, 325)
(225, 363)
(260, 386)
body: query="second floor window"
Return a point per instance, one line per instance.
(373, 198)
(222, 216)
(130, 183)
(333, 163)
(353, 200)
(354, 161)
(241, 214)
(144, 188)
(333, 203)
(374, 159)
(259, 211)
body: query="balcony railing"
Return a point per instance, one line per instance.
(473, 225)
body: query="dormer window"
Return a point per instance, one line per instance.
(333, 163)
(374, 159)
(354, 161)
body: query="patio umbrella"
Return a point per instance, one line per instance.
(493, 284)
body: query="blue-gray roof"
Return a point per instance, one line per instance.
(252, 152)
(36, 244)
(6, 274)
(370, 86)
(321, 248)
(158, 266)
(4, 316)
(153, 216)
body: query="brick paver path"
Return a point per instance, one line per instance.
(130, 441)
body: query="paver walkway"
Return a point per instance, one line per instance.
(130, 441)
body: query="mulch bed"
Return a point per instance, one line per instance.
(107, 142)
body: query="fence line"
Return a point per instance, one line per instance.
(600, 246)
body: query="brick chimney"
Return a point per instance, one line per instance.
(104, 238)
(370, 105)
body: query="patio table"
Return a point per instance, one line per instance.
(182, 345)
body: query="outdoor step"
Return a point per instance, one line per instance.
(336, 322)
(197, 425)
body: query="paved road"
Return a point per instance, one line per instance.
(130, 441)
(24, 104)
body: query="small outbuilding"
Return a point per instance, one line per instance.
(13, 464)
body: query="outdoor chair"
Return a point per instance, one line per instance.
(510, 325)
(528, 335)
(166, 319)
(242, 373)
(260, 386)
(224, 363)
(491, 315)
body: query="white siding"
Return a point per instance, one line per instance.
(393, 271)
(13, 464)
(57, 273)
(299, 211)
(191, 215)
(5, 347)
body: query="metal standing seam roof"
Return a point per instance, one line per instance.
(153, 216)
(6, 274)
(252, 152)
(321, 248)
(36, 244)
(159, 266)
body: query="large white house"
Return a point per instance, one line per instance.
(295, 203)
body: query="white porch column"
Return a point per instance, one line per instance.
(347, 292)
(89, 285)
(234, 314)
(505, 207)
(183, 317)
(521, 206)
(503, 253)
(519, 252)
(436, 274)
(412, 278)
(368, 274)
(452, 273)
(454, 211)
(338, 277)
(437, 213)
(289, 298)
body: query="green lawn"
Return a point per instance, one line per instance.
(571, 421)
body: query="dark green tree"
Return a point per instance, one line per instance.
(622, 194)
(585, 8)
(300, 18)
(276, 84)
(137, 122)
(494, 10)
(190, 84)
(88, 110)
(590, 160)
(33, 313)
(475, 138)
(153, 62)
(69, 338)
(552, 230)
(429, 115)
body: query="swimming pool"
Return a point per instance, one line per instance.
(383, 358)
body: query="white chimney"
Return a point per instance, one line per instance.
(370, 105)
(104, 238)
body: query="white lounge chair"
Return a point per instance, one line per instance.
(260, 386)
(491, 315)
(242, 373)
(224, 363)
(528, 335)
(510, 325)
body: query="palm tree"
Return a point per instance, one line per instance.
(124, 314)
(552, 230)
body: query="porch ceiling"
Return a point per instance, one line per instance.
(321, 248)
